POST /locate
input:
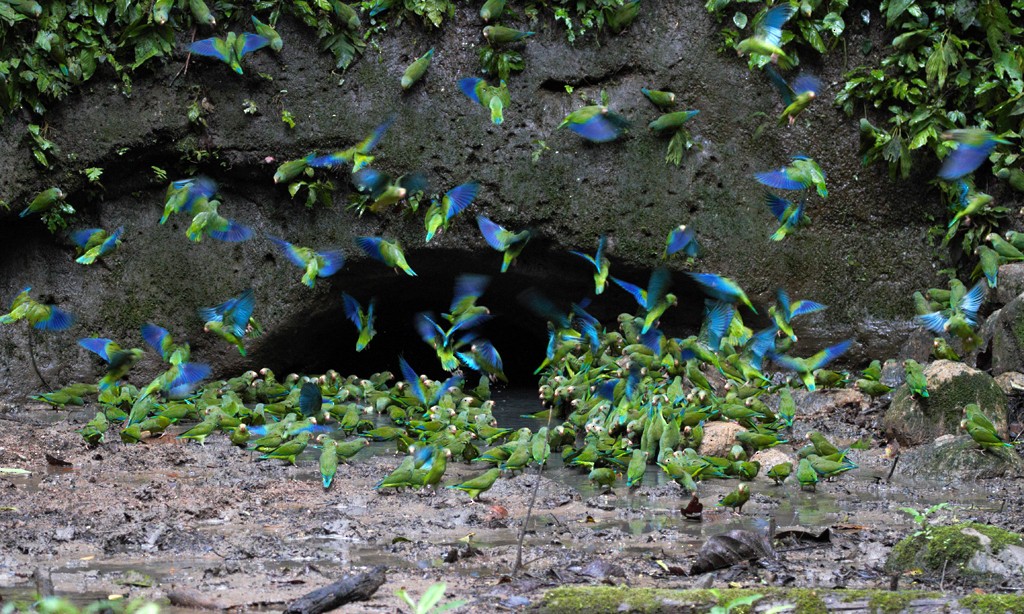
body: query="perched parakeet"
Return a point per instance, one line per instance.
(872, 388)
(230, 49)
(388, 252)
(637, 468)
(806, 475)
(315, 264)
(767, 38)
(230, 319)
(510, 243)
(603, 477)
(289, 449)
(796, 97)
(800, 174)
(988, 261)
(618, 18)
(480, 484)
(328, 461)
(916, 379)
(595, 123)
(973, 147)
(43, 201)
(600, 263)
(986, 438)
(455, 201)
(736, 499)
(268, 32)
(40, 316)
(162, 10)
(942, 350)
(492, 9)
(494, 98)
(416, 70)
(92, 252)
(95, 430)
(500, 35)
(362, 319)
(662, 100)
(780, 472)
(201, 13)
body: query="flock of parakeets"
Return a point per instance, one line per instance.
(619, 399)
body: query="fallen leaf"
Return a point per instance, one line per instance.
(56, 462)
(727, 549)
(14, 471)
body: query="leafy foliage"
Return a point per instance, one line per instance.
(45, 56)
(430, 601)
(953, 64)
(579, 17)
(818, 24)
(500, 62)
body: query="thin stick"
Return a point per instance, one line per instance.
(32, 357)
(529, 511)
(892, 469)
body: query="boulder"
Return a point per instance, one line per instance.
(958, 458)
(951, 385)
(719, 438)
(972, 553)
(769, 458)
(1011, 282)
(1006, 328)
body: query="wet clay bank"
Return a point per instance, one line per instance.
(863, 261)
(259, 534)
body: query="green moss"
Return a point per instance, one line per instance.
(986, 604)
(949, 547)
(887, 602)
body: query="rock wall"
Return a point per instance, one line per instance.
(863, 255)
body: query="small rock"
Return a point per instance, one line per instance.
(829, 401)
(951, 385)
(64, 535)
(768, 459)
(1006, 328)
(719, 438)
(1011, 383)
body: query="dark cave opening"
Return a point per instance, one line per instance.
(324, 339)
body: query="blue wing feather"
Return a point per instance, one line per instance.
(784, 303)
(492, 233)
(460, 197)
(805, 307)
(97, 345)
(370, 180)
(777, 205)
(657, 286)
(333, 261)
(638, 293)
(829, 354)
(598, 129)
(251, 42)
(56, 320)
(154, 336)
(289, 251)
(469, 285)
(371, 247)
(208, 47)
(779, 180)
(310, 399)
(189, 374)
(81, 237)
(415, 383)
(454, 381)
(237, 315)
(468, 87)
(679, 238)
(806, 83)
(971, 302)
(965, 159)
(780, 84)
(234, 233)
(718, 316)
(933, 321)
(351, 307)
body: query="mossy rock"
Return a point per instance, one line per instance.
(951, 385)
(975, 553)
(600, 599)
(961, 457)
(1007, 343)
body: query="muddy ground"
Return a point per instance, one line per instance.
(256, 535)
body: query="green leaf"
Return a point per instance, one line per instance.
(431, 597)
(740, 19)
(834, 22)
(14, 471)
(810, 34)
(41, 157)
(895, 9)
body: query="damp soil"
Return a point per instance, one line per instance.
(169, 515)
